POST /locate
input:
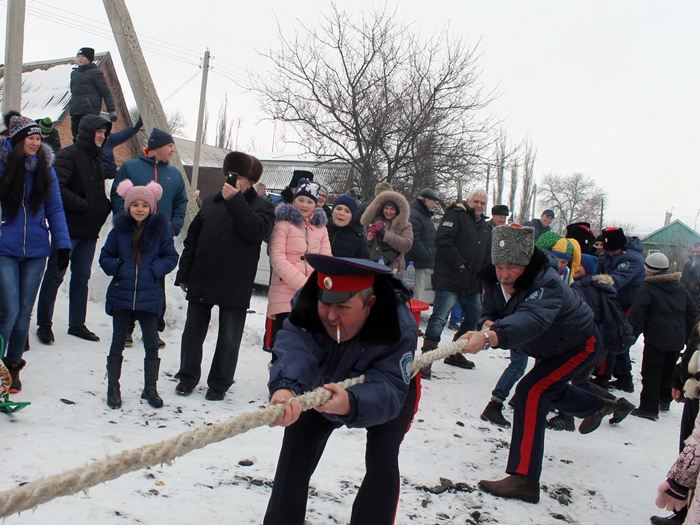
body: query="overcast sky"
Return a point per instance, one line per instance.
(608, 89)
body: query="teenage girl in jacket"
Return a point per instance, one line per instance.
(139, 251)
(300, 229)
(31, 207)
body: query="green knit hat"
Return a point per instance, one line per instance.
(45, 125)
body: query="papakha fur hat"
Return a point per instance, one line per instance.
(512, 244)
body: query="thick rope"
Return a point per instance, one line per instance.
(82, 478)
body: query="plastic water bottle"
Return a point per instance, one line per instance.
(410, 275)
(382, 261)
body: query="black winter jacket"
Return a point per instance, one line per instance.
(222, 249)
(422, 253)
(691, 279)
(81, 177)
(348, 241)
(88, 87)
(667, 310)
(626, 269)
(543, 318)
(589, 288)
(461, 240)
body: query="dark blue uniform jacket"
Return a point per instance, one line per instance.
(627, 270)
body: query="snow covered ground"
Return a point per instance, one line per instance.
(609, 476)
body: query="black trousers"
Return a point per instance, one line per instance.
(304, 441)
(228, 343)
(657, 377)
(148, 322)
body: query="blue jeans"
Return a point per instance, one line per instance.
(228, 342)
(81, 256)
(513, 372)
(19, 282)
(444, 301)
(456, 316)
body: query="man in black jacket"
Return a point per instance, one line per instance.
(462, 248)
(691, 274)
(218, 267)
(81, 177)
(422, 252)
(529, 309)
(88, 88)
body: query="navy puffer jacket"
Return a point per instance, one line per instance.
(308, 357)
(627, 270)
(543, 318)
(135, 288)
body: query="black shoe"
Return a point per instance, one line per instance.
(592, 422)
(161, 343)
(677, 518)
(184, 389)
(665, 406)
(45, 334)
(562, 421)
(602, 382)
(493, 413)
(624, 408)
(26, 345)
(215, 395)
(623, 383)
(129, 340)
(459, 361)
(83, 333)
(453, 326)
(646, 415)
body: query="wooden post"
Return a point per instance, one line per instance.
(14, 51)
(200, 121)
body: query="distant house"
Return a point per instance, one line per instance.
(46, 93)
(673, 240)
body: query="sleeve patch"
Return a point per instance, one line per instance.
(537, 294)
(448, 224)
(406, 364)
(623, 265)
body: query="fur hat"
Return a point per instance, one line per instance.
(87, 52)
(614, 239)
(158, 139)
(589, 263)
(512, 244)
(348, 201)
(656, 262)
(297, 175)
(581, 231)
(239, 164)
(382, 186)
(19, 127)
(308, 188)
(151, 193)
(45, 125)
(500, 209)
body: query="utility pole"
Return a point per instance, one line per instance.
(14, 51)
(200, 121)
(142, 85)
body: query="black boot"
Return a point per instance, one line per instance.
(14, 367)
(428, 345)
(151, 368)
(114, 372)
(562, 421)
(677, 518)
(493, 413)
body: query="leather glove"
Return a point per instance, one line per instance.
(113, 116)
(379, 235)
(63, 257)
(139, 124)
(671, 498)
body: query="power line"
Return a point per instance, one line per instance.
(180, 88)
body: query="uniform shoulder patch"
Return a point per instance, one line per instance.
(448, 224)
(623, 265)
(406, 364)
(537, 294)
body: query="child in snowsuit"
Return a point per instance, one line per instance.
(138, 252)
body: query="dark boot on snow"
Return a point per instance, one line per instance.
(428, 345)
(114, 372)
(494, 414)
(14, 367)
(592, 422)
(624, 409)
(562, 421)
(151, 367)
(677, 518)
(623, 383)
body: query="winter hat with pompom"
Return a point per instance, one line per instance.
(150, 193)
(20, 127)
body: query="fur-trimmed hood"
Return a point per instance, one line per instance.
(664, 277)
(382, 325)
(29, 162)
(288, 213)
(373, 213)
(604, 278)
(539, 261)
(123, 222)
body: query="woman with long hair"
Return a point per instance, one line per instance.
(31, 209)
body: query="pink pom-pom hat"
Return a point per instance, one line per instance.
(150, 193)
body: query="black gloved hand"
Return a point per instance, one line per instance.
(113, 116)
(63, 257)
(379, 235)
(139, 124)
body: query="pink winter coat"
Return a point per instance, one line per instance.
(292, 237)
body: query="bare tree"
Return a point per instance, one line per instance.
(176, 121)
(369, 91)
(574, 198)
(514, 181)
(528, 192)
(224, 127)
